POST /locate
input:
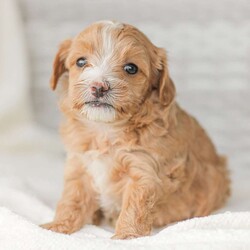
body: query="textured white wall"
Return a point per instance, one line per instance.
(208, 44)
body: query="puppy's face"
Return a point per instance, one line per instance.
(112, 69)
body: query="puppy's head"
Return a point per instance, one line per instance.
(112, 69)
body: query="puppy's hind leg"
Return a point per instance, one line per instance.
(78, 202)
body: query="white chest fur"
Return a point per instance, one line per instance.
(100, 171)
(99, 167)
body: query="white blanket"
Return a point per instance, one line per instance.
(225, 231)
(31, 174)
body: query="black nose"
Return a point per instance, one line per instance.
(99, 89)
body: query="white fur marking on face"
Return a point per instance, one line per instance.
(105, 60)
(102, 62)
(99, 114)
(115, 24)
(100, 70)
(92, 74)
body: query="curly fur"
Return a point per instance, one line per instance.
(143, 163)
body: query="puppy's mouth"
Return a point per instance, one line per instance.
(99, 111)
(98, 104)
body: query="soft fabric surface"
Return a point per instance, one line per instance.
(31, 172)
(224, 231)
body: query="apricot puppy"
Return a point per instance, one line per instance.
(134, 157)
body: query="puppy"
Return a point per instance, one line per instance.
(134, 157)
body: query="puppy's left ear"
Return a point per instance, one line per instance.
(165, 85)
(59, 63)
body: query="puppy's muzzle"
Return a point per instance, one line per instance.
(99, 89)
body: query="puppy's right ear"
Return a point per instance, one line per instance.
(59, 63)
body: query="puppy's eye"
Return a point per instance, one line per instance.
(81, 62)
(131, 68)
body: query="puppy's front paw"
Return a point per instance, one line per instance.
(125, 236)
(59, 227)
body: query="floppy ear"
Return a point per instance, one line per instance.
(165, 85)
(59, 63)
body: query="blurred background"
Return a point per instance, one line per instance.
(208, 47)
